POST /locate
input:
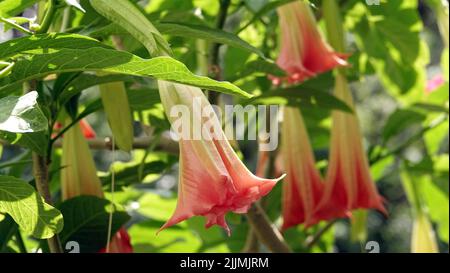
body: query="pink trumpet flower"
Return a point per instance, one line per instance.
(303, 184)
(304, 53)
(434, 83)
(79, 177)
(213, 180)
(348, 184)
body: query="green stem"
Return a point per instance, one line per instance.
(215, 70)
(16, 26)
(65, 19)
(48, 17)
(5, 70)
(312, 240)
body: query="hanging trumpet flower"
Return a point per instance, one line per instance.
(348, 184)
(79, 177)
(212, 180)
(303, 53)
(303, 185)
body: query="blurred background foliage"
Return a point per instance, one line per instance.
(395, 48)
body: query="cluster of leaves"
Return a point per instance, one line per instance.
(385, 44)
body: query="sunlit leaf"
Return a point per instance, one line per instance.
(22, 114)
(28, 209)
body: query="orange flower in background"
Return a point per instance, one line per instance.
(304, 53)
(213, 180)
(303, 184)
(79, 177)
(87, 130)
(348, 184)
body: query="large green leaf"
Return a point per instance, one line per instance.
(259, 66)
(39, 62)
(127, 174)
(401, 120)
(7, 229)
(270, 6)
(23, 123)
(128, 16)
(37, 142)
(190, 31)
(28, 209)
(390, 36)
(143, 99)
(22, 114)
(10, 8)
(46, 43)
(299, 96)
(206, 33)
(437, 202)
(84, 81)
(86, 222)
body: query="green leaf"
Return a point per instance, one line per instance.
(86, 222)
(399, 121)
(444, 64)
(22, 114)
(128, 174)
(390, 36)
(171, 240)
(84, 81)
(143, 99)
(9, 8)
(46, 43)
(305, 97)
(34, 63)
(37, 142)
(266, 9)
(156, 207)
(437, 202)
(208, 34)
(129, 17)
(28, 209)
(7, 228)
(260, 66)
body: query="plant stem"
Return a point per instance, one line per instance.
(11, 23)
(40, 173)
(65, 20)
(266, 232)
(252, 243)
(312, 240)
(214, 61)
(48, 17)
(166, 144)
